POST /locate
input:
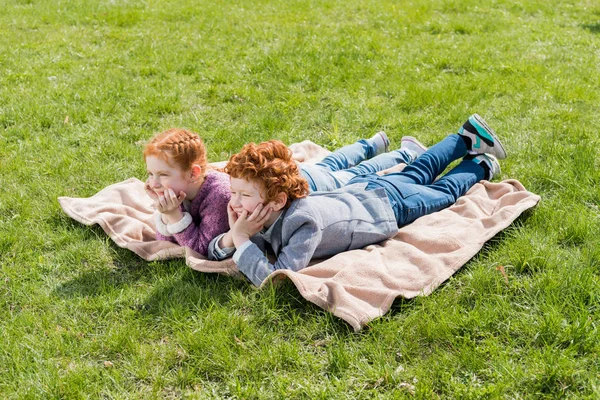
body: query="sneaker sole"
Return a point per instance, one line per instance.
(497, 144)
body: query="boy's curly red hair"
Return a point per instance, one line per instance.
(271, 164)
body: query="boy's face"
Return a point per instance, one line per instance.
(246, 195)
(162, 176)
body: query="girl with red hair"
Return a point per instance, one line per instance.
(190, 201)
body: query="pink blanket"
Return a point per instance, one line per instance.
(357, 285)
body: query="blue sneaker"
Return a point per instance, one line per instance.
(483, 139)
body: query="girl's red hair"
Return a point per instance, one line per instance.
(180, 148)
(271, 164)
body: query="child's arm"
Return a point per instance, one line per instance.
(296, 252)
(218, 252)
(302, 236)
(224, 245)
(212, 216)
(226, 240)
(162, 232)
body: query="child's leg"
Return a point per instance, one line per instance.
(411, 201)
(458, 180)
(316, 183)
(320, 176)
(433, 162)
(423, 200)
(354, 154)
(475, 137)
(374, 165)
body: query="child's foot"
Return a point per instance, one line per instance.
(480, 138)
(381, 142)
(411, 143)
(410, 153)
(489, 163)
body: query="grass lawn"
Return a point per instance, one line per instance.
(84, 83)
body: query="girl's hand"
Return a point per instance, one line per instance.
(246, 226)
(169, 201)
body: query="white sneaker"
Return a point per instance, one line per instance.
(381, 141)
(412, 144)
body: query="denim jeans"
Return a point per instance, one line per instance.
(335, 170)
(414, 191)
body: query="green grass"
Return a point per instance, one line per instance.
(84, 83)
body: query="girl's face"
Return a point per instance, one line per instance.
(245, 195)
(162, 176)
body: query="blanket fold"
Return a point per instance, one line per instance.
(357, 285)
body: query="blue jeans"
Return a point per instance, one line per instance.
(339, 167)
(414, 192)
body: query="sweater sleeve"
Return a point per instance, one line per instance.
(160, 236)
(161, 229)
(210, 220)
(295, 254)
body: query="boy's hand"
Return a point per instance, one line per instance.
(231, 215)
(246, 226)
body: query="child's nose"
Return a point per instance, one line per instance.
(155, 183)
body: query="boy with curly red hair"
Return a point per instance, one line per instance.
(270, 202)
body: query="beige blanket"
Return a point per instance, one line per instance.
(357, 285)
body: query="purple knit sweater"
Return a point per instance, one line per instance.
(209, 214)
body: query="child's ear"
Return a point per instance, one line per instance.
(196, 171)
(280, 201)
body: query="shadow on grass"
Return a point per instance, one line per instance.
(124, 271)
(288, 299)
(174, 285)
(171, 286)
(280, 305)
(193, 291)
(594, 28)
